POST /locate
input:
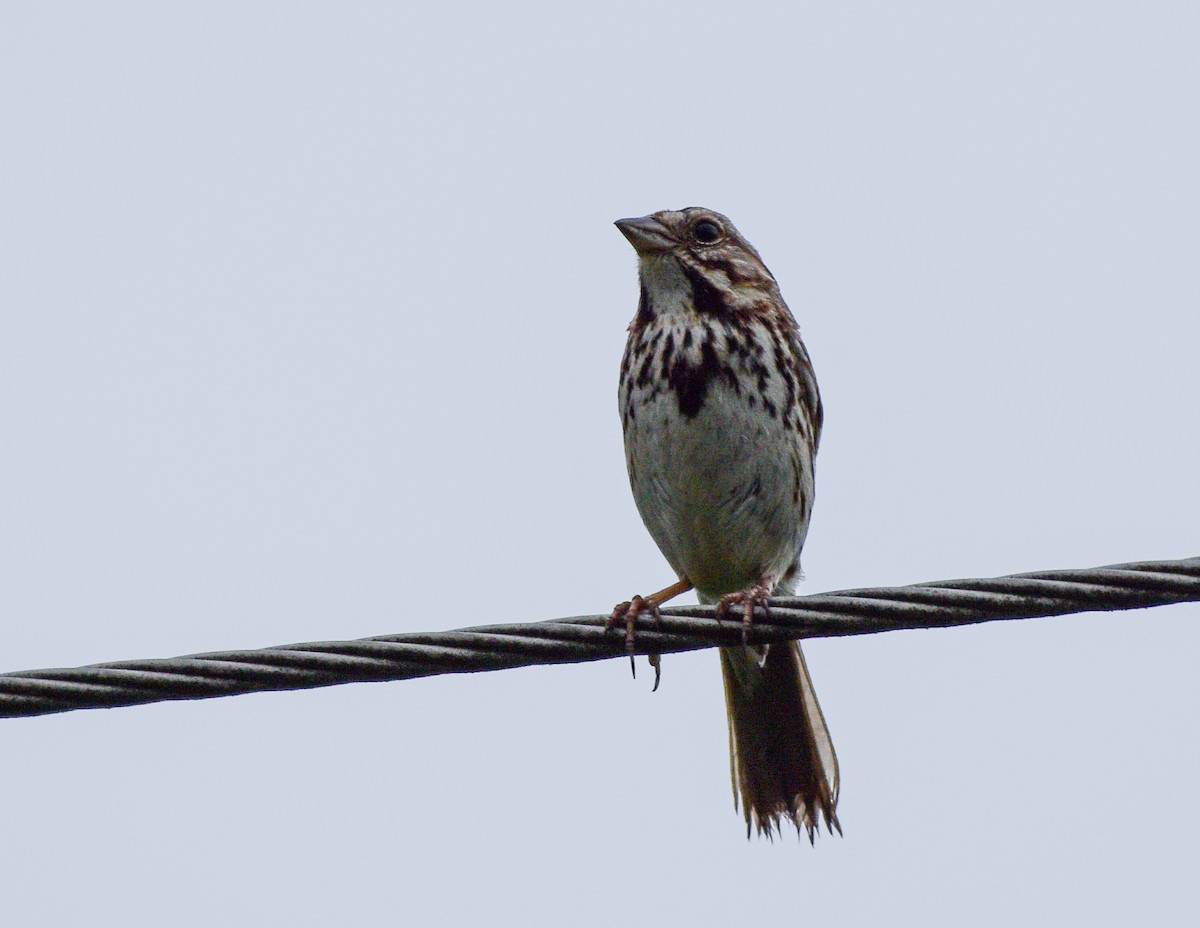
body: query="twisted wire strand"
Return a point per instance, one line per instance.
(584, 638)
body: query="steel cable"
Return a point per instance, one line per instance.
(583, 638)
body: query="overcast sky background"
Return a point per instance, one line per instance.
(311, 324)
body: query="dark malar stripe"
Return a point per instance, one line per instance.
(707, 298)
(645, 312)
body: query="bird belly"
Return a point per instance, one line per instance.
(724, 493)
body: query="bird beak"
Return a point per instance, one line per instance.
(647, 235)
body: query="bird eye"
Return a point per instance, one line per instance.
(706, 232)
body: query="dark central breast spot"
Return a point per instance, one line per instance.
(690, 379)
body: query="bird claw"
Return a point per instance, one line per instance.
(628, 613)
(747, 599)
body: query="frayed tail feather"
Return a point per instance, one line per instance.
(781, 755)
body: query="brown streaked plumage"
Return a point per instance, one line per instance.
(722, 418)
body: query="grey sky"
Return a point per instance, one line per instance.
(311, 325)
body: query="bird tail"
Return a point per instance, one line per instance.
(780, 753)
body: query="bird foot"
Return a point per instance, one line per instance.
(628, 613)
(747, 600)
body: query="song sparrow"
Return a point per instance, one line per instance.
(722, 417)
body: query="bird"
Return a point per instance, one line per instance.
(721, 417)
